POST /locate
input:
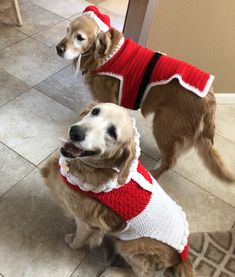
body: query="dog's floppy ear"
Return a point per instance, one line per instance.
(129, 154)
(102, 44)
(87, 109)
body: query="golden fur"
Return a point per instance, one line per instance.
(180, 118)
(94, 220)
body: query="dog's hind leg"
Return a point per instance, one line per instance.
(167, 148)
(172, 138)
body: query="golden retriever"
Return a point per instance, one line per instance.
(180, 119)
(102, 147)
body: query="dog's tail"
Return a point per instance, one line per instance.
(185, 269)
(213, 160)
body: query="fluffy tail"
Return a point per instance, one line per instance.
(185, 269)
(213, 161)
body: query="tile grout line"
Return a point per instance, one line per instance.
(18, 154)
(34, 87)
(44, 94)
(13, 27)
(198, 185)
(225, 138)
(18, 96)
(41, 8)
(23, 92)
(17, 28)
(54, 12)
(56, 100)
(53, 25)
(52, 152)
(27, 36)
(205, 190)
(31, 36)
(26, 174)
(86, 254)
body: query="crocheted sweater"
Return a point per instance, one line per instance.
(139, 69)
(142, 203)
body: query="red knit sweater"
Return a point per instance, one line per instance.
(131, 199)
(130, 63)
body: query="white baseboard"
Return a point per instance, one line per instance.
(225, 98)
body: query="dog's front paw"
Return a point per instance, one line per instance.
(118, 272)
(68, 238)
(73, 241)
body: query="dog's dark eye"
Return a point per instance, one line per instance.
(95, 111)
(112, 132)
(80, 38)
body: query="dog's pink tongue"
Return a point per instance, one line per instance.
(72, 149)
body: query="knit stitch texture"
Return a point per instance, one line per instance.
(130, 62)
(147, 209)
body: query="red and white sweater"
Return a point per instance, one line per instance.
(139, 69)
(143, 204)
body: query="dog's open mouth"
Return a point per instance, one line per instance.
(69, 150)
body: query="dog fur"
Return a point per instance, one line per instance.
(180, 118)
(93, 219)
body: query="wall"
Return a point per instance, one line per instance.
(201, 32)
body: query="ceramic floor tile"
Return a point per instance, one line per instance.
(33, 123)
(64, 8)
(225, 121)
(13, 168)
(191, 166)
(66, 88)
(54, 154)
(117, 20)
(147, 161)
(205, 212)
(34, 17)
(119, 7)
(147, 141)
(53, 35)
(92, 265)
(9, 35)
(10, 87)
(30, 61)
(32, 228)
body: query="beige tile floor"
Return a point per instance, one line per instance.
(39, 98)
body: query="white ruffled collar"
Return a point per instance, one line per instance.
(111, 184)
(117, 48)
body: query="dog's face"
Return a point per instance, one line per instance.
(80, 36)
(103, 130)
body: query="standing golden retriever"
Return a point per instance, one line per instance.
(99, 181)
(180, 119)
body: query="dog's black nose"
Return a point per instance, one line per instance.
(76, 133)
(60, 49)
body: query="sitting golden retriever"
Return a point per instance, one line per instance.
(176, 97)
(99, 181)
